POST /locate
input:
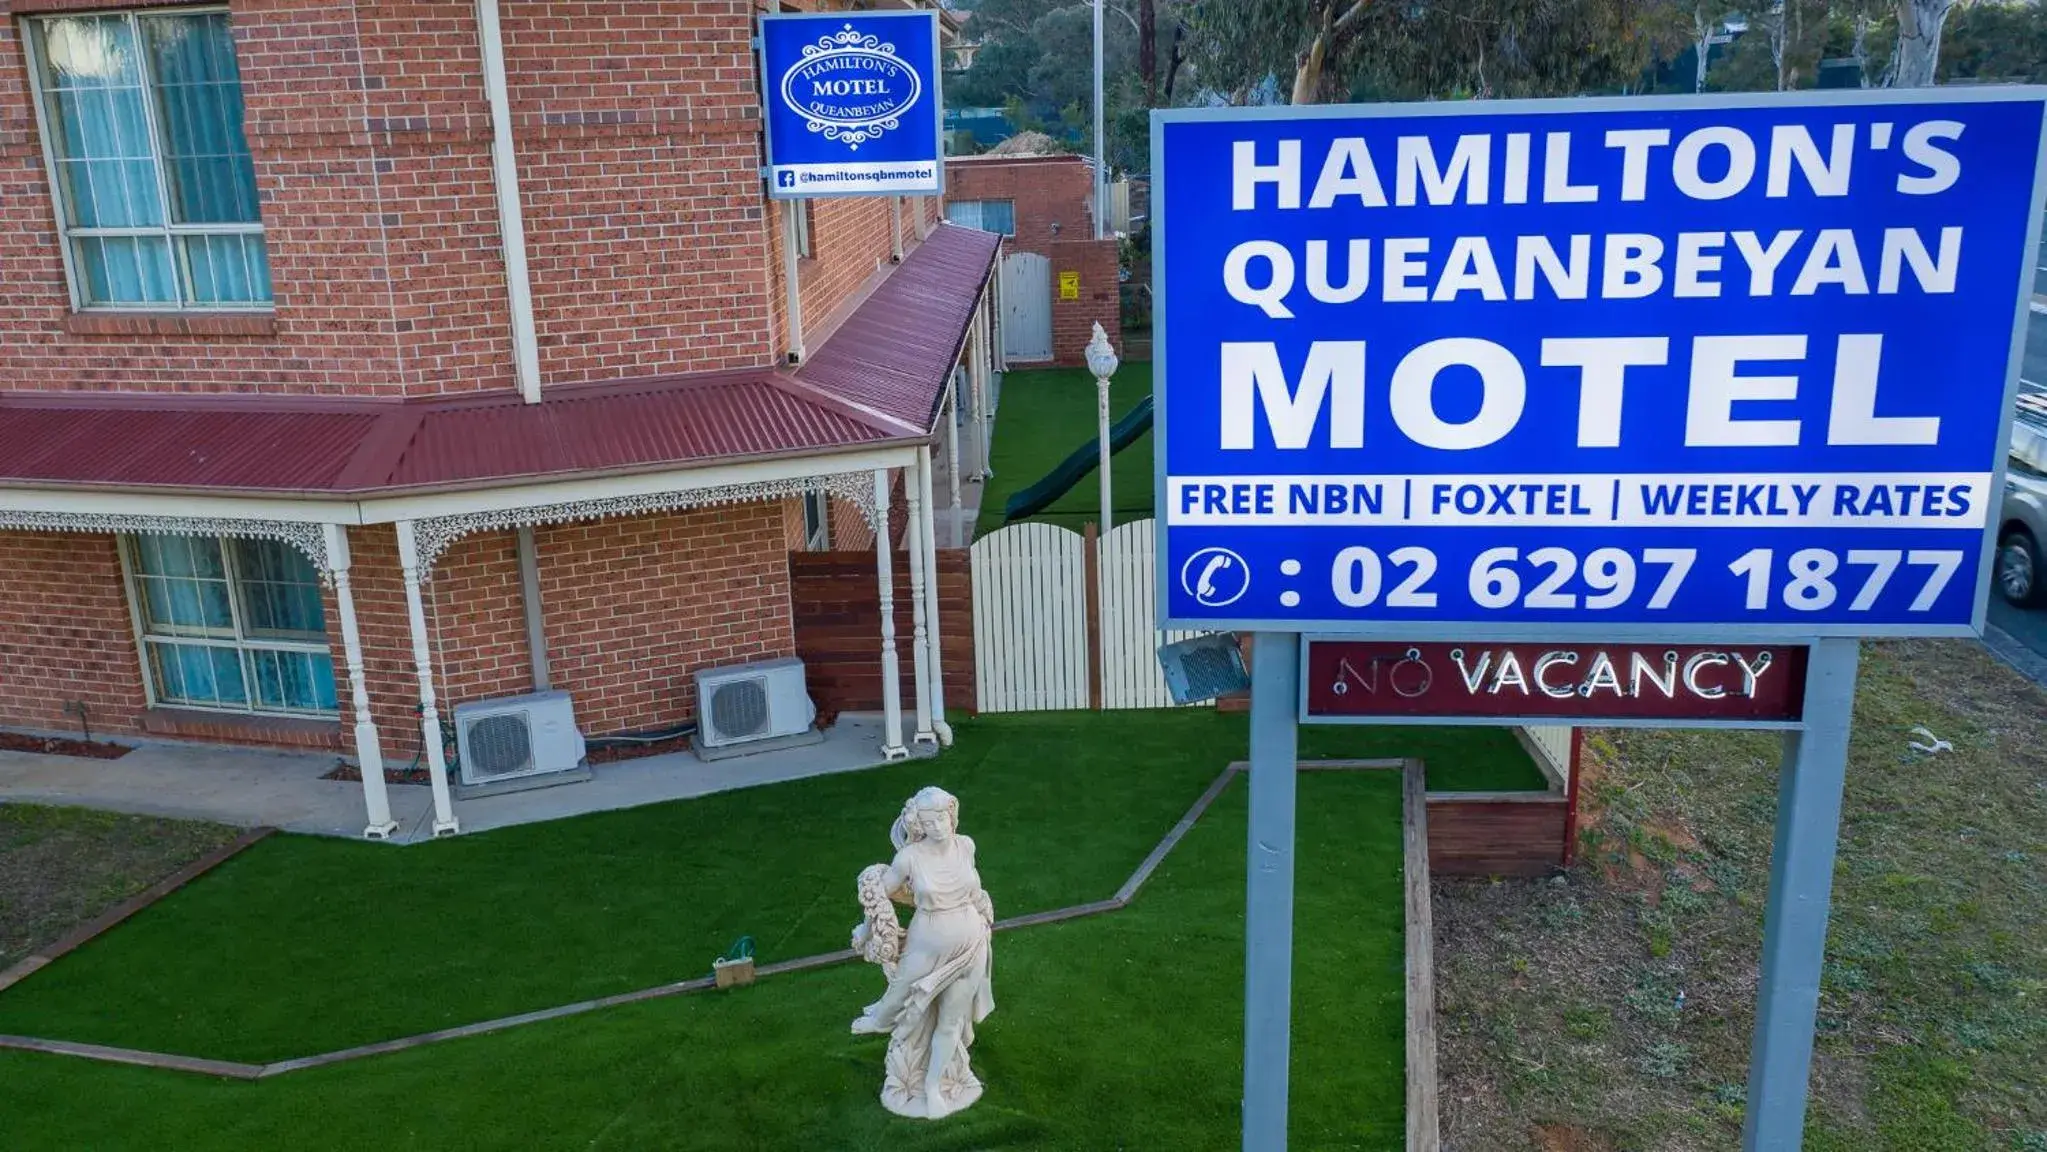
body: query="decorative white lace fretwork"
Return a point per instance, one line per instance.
(435, 533)
(307, 537)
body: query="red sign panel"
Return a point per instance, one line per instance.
(1580, 683)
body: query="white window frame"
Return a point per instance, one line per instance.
(240, 642)
(817, 504)
(181, 271)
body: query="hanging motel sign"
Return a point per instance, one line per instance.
(1740, 685)
(850, 104)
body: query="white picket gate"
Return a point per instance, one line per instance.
(1030, 619)
(1031, 626)
(1131, 677)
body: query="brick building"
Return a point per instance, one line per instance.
(1058, 279)
(361, 360)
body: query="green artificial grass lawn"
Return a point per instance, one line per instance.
(305, 944)
(1117, 1031)
(1043, 416)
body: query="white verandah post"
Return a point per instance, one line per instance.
(369, 754)
(927, 544)
(422, 658)
(977, 376)
(914, 490)
(952, 452)
(891, 673)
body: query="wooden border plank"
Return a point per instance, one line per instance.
(1423, 1133)
(1158, 854)
(112, 1055)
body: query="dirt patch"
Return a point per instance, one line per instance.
(63, 746)
(60, 867)
(1564, 1138)
(1609, 1008)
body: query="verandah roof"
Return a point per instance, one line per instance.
(879, 379)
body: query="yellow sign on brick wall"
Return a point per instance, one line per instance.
(1069, 285)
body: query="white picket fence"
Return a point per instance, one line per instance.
(1031, 626)
(1030, 619)
(1553, 743)
(1131, 676)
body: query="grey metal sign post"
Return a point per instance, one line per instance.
(1809, 788)
(1269, 887)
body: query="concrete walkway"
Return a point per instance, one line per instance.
(254, 788)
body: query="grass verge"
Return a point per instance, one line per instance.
(1610, 1008)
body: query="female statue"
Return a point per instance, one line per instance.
(939, 983)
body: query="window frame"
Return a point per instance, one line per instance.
(66, 232)
(817, 503)
(980, 213)
(242, 642)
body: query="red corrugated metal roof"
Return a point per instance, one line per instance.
(696, 420)
(878, 379)
(46, 440)
(895, 352)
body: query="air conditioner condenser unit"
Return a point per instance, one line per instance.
(752, 702)
(516, 736)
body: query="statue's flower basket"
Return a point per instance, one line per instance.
(735, 967)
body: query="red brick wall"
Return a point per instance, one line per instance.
(850, 243)
(1047, 190)
(636, 134)
(635, 607)
(476, 617)
(1073, 321)
(851, 529)
(632, 609)
(65, 633)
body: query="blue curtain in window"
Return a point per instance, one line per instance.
(101, 90)
(92, 79)
(280, 590)
(209, 177)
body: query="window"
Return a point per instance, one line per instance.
(987, 215)
(2029, 448)
(231, 624)
(806, 246)
(141, 120)
(817, 521)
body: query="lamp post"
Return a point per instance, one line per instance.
(1101, 360)
(1101, 171)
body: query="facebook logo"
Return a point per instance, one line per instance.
(785, 179)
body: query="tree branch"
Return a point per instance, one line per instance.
(1347, 23)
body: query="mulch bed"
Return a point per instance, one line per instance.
(353, 775)
(62, 746)
(635, 751)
